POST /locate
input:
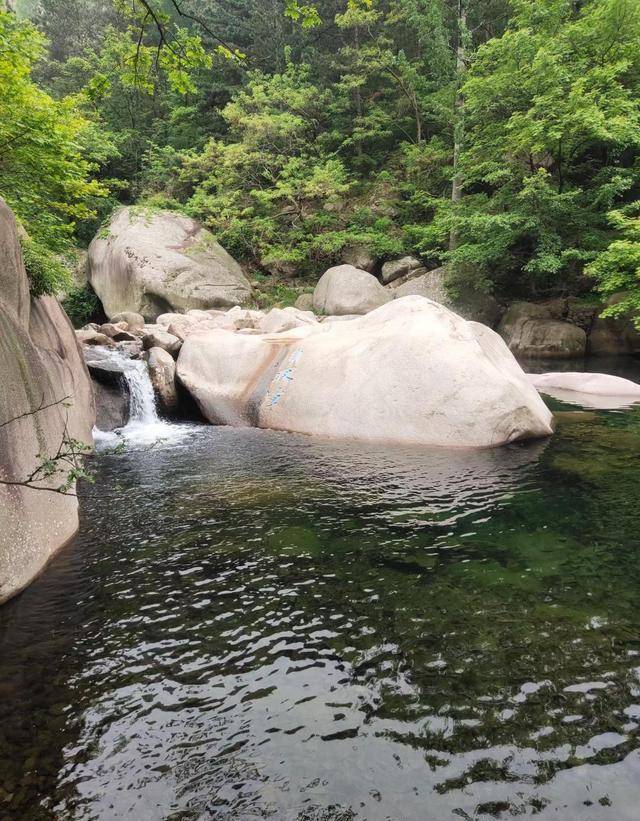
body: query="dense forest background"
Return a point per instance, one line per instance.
(498, 138)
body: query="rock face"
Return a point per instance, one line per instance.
(410, 372)
(529, 331)
(154, 263)
(614, 336)
(348, 290)
(40, 365)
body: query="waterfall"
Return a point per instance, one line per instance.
(143, 428)
(142, 402)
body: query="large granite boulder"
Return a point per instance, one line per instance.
(45, 402)
(530, 331)
(410, 372)
(162, 261)
(348, 290)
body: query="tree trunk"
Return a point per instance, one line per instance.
(458, 121)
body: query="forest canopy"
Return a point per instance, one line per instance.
(499, 139)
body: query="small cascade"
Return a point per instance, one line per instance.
(142, 402)
(143, 427)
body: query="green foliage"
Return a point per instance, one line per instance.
(295, 130)
(551, 129)
(47, 274)
(48, 148)
(82, 305)
(617, 269)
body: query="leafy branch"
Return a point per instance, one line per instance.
(68, 459)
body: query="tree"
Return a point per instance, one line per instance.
(551, 120)
(48, 148)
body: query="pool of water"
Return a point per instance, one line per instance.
(262, 625)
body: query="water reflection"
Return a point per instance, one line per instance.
(254, 624)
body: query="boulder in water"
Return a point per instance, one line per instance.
(151, 263)
(133, 320)
(594, 390)
(410, 372)
(530, 331)
(162, 372)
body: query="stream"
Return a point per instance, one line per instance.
(253, 624)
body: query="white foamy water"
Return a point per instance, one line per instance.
(144, 428)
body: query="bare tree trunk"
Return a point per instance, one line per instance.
(458, 127)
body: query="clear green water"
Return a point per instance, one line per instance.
(260, 625)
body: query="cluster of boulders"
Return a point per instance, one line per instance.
(348, 290)
(566, 329)
(158, 262)
(409, 371)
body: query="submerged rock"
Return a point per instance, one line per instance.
(594, 390)
(45, 402)
(151, 263)
(410, 372)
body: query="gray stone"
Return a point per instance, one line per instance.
(396, 268)
(430, 284)
(304, 302)
(162, 372)
(360, 257)
(94, 338)
(151, 263)
(162, 339)
(348, 290)
(134, 320)
(529, 331)
(112, 405)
